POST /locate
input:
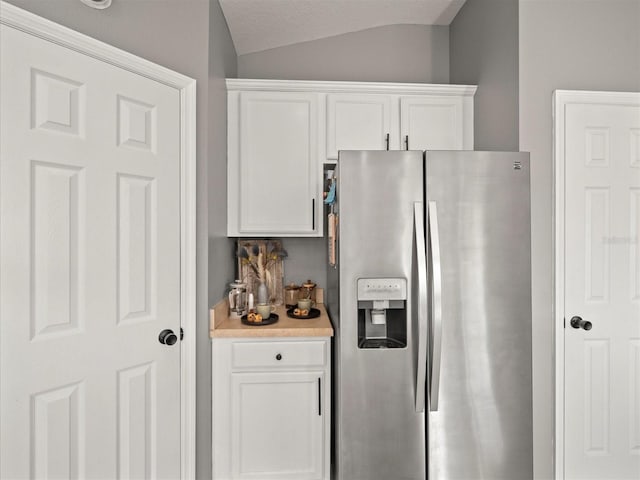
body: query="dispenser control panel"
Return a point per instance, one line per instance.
(382, 289)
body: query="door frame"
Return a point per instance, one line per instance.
(32, 24)
(562, 98)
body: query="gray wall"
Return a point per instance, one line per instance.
(192, 38)
(395, 53)
(222, 64)
(307, 260)
(483, 51)
(566, 44)
(158, 30)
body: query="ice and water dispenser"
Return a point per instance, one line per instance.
(382, 313)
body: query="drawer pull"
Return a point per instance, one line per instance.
(282, 354)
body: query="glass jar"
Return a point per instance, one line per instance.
(308, 290)
(291, 293)
(237, 299)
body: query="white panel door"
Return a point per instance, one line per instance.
(360, 122)
(432, 123)
(602, 286)
(90, 251)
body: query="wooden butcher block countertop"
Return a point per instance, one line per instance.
(222, 326)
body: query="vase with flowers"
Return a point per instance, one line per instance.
(258, 257)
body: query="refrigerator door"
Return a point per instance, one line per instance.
(481, 426)
(379, 433)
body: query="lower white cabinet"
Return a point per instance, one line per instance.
(271, 408)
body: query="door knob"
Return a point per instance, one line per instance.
(578, 322)
(167, 337)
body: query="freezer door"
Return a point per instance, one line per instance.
(379, 411)
(481, 425)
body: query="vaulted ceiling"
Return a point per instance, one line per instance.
(257, 25)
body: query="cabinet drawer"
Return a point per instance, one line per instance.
(278, 354)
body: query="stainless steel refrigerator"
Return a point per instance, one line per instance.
(430, 298)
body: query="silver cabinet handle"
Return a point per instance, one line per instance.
(421, 256)
(436, 308)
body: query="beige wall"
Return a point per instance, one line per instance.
(564, 44)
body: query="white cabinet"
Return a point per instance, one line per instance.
(358, 122)
(433, 122)
(442, 120)
(271, 408)
(272, 173)
(280, 133)
(276, 425)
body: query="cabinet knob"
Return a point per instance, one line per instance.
(278, 357)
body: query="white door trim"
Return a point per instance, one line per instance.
(562, 98)
(34, 25)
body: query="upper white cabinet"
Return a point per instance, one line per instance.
(273, 184)
(433, 117)
(435, 123)
(281, 132)
(358, 122)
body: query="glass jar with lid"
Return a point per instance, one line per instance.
(237, 299)
(291, 293)
(308, 290)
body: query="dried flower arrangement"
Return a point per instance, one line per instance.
(261, 261)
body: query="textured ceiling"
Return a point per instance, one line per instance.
(257, 25)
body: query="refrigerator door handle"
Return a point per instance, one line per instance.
(421, 255)
(436, 306)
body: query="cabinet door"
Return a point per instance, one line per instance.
(277, 179)
(433, 123)
(358, 122)
(277, 425)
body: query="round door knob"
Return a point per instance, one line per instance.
(278, 357)
(578, 322)
(167, 337)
